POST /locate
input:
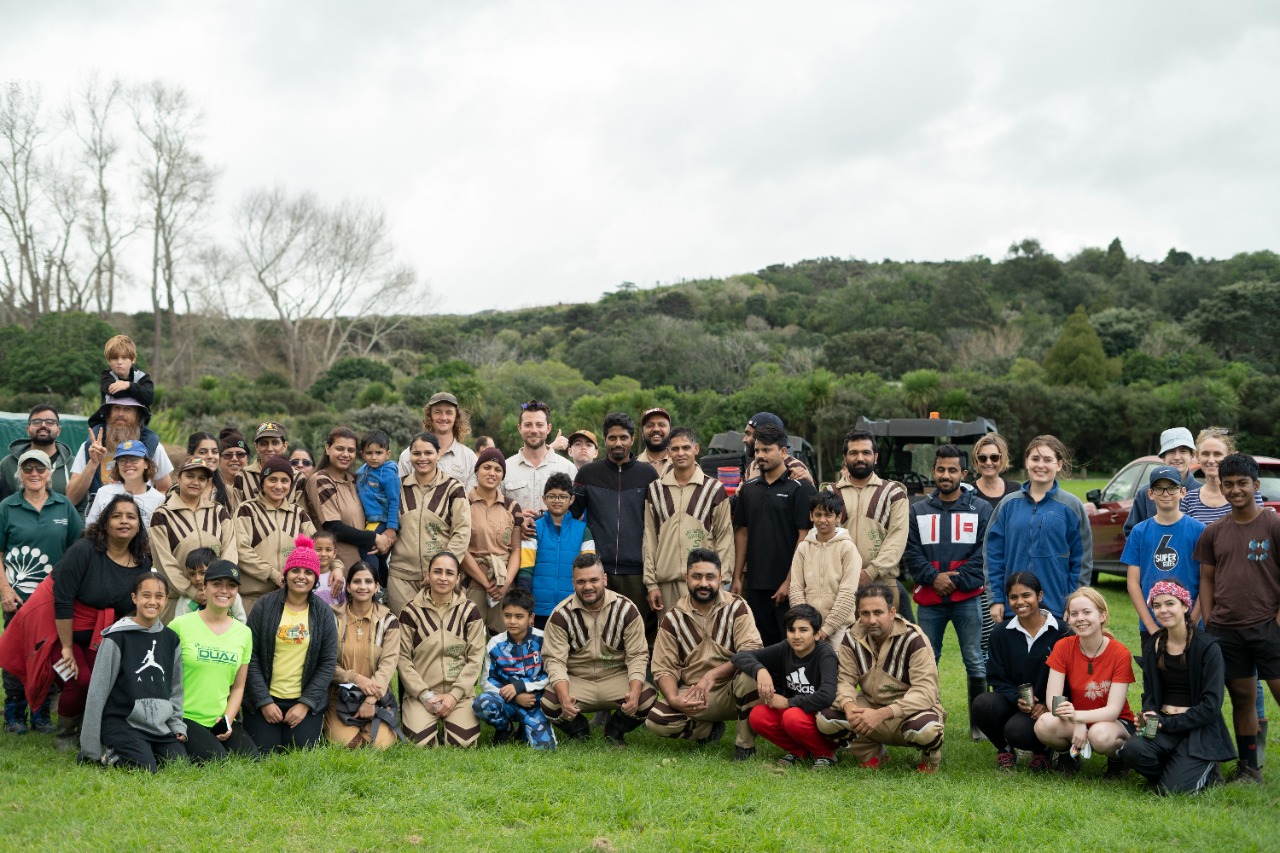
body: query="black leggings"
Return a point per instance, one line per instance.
(203, 745)
(1003, 724)
(277, 737)
(137, 749)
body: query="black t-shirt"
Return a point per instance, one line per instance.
(89, 577)
(774, 514)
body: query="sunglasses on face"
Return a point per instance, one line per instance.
(33, 467)
(983, 457)
(301, 463)
(234, 454)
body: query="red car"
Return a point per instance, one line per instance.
(1108, 507)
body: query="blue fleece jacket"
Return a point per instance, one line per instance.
(1051, 539)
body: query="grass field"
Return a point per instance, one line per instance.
(1080, 488)
(655, 795)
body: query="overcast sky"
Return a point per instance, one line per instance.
(539, 152)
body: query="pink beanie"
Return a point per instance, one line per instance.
(303, 556)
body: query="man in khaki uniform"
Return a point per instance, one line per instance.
(270, 440)
(596, 656)
(683, 510)
(887, 689)
(692, 661)
(878, 513)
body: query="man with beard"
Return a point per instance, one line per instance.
(450, 424)
(693, 661)
(583, 447)
(684, 510)
(770, 518)
(887, 689)
(944, 557)
(878, 512)
(796, 469)
(118, 420)
(530, 466)
(596, 655)
(655, 431)
(44, 425)
(609, 495)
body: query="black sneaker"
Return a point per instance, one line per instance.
(744, 753)
(1067, 765)
(577, 729)
(824, 762)
(717, 732)
(501, 736)
(788, 760)
(1116, 770)
(614, 734)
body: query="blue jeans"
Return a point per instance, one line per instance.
(967, 617)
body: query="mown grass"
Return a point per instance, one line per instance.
(656, 795)
(1080, 488)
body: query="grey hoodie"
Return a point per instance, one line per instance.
(130, 682)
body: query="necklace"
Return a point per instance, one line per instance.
(1091, 658)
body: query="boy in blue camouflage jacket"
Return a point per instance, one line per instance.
(514, 677)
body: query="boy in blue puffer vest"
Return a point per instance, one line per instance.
(546, 560)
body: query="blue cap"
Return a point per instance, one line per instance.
(1166, 472)
(133, 447)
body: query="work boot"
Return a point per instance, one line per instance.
(576, 729)
(40, 722)
(977, 686)
(15, 717)
(67, 736)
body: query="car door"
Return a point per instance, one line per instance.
(1112, 509)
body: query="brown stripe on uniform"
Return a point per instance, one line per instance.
(687, 634)
(408, 497)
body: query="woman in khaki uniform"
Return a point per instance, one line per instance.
(331, 494)
(266, 526)
(368, 652)
(434, 516)
(188, 520)
(441, 652)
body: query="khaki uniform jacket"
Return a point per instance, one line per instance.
(441, 649)
(902, 675)
(384, 645)
(678, 519)
(825, 575)
(248, 485)
(662, 466)
(334, 498)
(690, 645)
(879, 513)
(594, 645)
(264, 538)
(176, 531)
(433, 518)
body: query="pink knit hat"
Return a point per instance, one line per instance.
(303, 556)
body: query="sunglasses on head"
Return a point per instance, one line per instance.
(534, 406)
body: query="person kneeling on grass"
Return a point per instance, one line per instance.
(697, 637)
(441, 650)
(596, 658)
(295, 652)
(368, 653)
(514, 677)
(1182, 689)
(1089, 678)
(1018, 676)
(133, 713)
(887, 689)
(795, 678)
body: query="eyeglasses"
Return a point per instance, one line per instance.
(235, 454)
(301, 463)
(555, 496)
(1166, 490)
(43, 422)
(994, 457)
(33, 467)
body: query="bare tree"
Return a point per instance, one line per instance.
(326, 274)
(90, 117)
(22, 134)
(177, 188)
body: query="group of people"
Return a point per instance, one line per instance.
(248, 607)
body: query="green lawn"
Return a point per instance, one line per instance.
(657, 795)
(1080, 488)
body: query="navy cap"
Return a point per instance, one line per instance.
(761, 418)
(1166, 472)
(222, 569)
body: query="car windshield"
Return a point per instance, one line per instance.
(1270, 485)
